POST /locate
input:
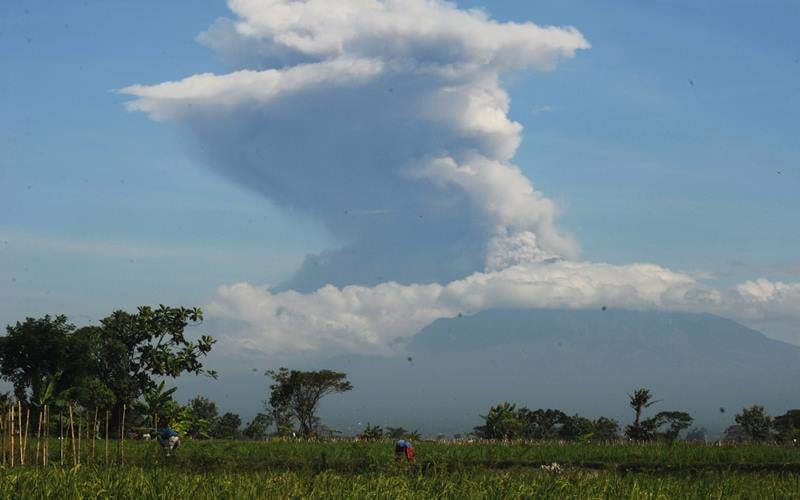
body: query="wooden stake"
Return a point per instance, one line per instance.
(122, 438)
(38, 439)
(61, 432)
(21, 439)
(46, 451)
(106, 442)
(94, 433)
(13, 451)
(80, 424)
(27, 428)
(72, 433)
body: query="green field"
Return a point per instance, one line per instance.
(241, 469)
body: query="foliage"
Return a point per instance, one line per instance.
(296, 395)
(226, 426)
(787, 426)
(258, 428)
(755, 423)
(606, 429)
(641, 430)
(541, 424)
(202, 414)
(156, 404)
(677, 421)
(372, 433)
(502, 422)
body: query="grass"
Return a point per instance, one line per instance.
(239, 469)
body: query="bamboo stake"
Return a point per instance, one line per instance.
(13, 451)
(27, 428)
(19, 427)
(3, 422)
(46, 446)
(80, 424)
(106, 442)
(94, 433)
(72, 433)
(122, 438)
(38, 439)
(61, 432)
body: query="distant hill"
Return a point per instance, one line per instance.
(578, 361)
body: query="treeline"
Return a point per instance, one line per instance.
(102, 368)
(505, 421)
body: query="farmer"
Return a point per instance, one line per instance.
(403, 447)
(168, 439)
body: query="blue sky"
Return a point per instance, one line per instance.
(673, 140)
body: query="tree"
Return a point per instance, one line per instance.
(640, 399)
(296, 394)
(696, 435)
(606, 429)
(34, 353)
(132, 350)
(155, 403)
(576, 428)
(502, 422)
(396, 432)
(787, 426)
(677, 421)
(226, 426)
(541, 424)
(755, 422)
(203, 414)
(372, 432)
(258, 428)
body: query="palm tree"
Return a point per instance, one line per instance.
(639, 400)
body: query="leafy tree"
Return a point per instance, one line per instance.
(258, 428)
(640, 399)
(755, 422)
(677, 421)
(606, 429)
(576, 428)
(133, 349)
(736, 434)
(34, 353)
(372, 432)
(541, 424)
(226, 426)
(787, 426)
(696, 435)
(155, 403)
(502, 422)
(396, 432)
(203, 414)
(297, 394)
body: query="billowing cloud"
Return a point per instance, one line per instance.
(385, 120)
(370, 319)
(391, 109)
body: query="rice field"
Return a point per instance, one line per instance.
(350, 469)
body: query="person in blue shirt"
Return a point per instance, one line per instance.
(403, 448)
(168, 439)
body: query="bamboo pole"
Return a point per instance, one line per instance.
(27, 428)
(106, 442)
(94, 433)
(122, 438)
(38, 439)
(12, 449)
(61, 432)
(3, 426)
(21, 438)
(46, 451)
(72, 434)
(80, 424)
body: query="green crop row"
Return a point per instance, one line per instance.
(138, 482)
